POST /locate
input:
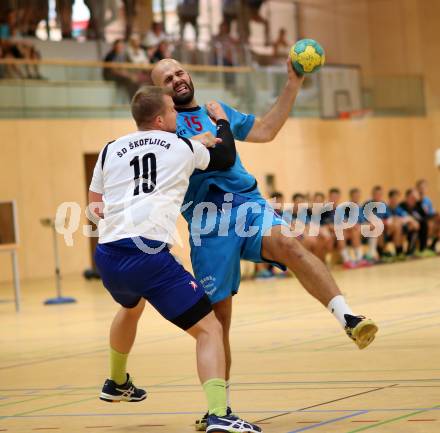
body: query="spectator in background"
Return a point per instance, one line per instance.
(432, 216)
(161, 52)
(413, 206)
(281, 46)
(64, 15)
(188, 12)
(254, 11)
(121, 77)
(155, 36)
(7, 22)
(96, 27)
(333, 219)
(392, 227)
(370, 256)
(130, 14)
(409, 225)
(322, 225)
(136, 54)
(352, 236)
(230, 10)
(225, 46)
(20, 50)
(29, 13)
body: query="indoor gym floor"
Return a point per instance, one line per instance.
(294, 369)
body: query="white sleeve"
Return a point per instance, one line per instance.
(97, 183)
(201, 155)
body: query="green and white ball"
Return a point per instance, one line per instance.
(307, 56)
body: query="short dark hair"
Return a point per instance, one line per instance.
(116, 42)
(147, 103)
(354, 191)
(321, 194)
(298, 195)
(408, 192)
(377, 188)
(393, 192)
(277, 194)
(334, 191)
(420, 181)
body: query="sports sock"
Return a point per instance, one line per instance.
(372, 247)
(359, 253)
(215, 391)
(412, 243)
(345, 255)
(338, 307)
(118, 366)
(228, 397)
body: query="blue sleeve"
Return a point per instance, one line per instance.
(401, 212)
(241, 123)
(427, 206)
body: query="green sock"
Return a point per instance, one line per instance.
(215, 390)
(118, 366)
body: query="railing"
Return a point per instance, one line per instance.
(88, 89)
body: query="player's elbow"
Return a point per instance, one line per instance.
(263, 134)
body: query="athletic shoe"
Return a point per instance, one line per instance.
(114, 393)
(426, 253)
(201, 424)
(401, 257)
(370, 259)
(349, 265)
(361, 330)
(264, 274)
(230, 424)
(387, 258)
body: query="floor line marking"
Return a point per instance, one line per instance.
(328, 402)
(330, 421)
(388, 421)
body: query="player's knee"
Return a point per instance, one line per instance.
(291, 247)
(134, 313)
(213, 328)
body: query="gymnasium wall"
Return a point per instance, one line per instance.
(42, 165)
(385, 37)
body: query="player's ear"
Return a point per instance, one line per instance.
(159, 121)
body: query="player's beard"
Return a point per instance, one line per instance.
(187, 98)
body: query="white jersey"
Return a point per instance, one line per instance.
(143, 178)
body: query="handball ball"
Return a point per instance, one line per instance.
(307, 56)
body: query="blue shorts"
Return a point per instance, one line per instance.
(216, 255)
(130, 274)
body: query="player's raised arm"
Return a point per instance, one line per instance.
(266, 128)
(222, 156)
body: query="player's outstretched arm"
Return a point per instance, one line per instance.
(266, 128)
(223, 155)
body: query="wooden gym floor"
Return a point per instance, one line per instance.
(294, 369)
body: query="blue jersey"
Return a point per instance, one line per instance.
(381, 215)
(427, 206)
(195, 121)
(397, 211)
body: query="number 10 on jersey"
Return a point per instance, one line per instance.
(149, 174)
